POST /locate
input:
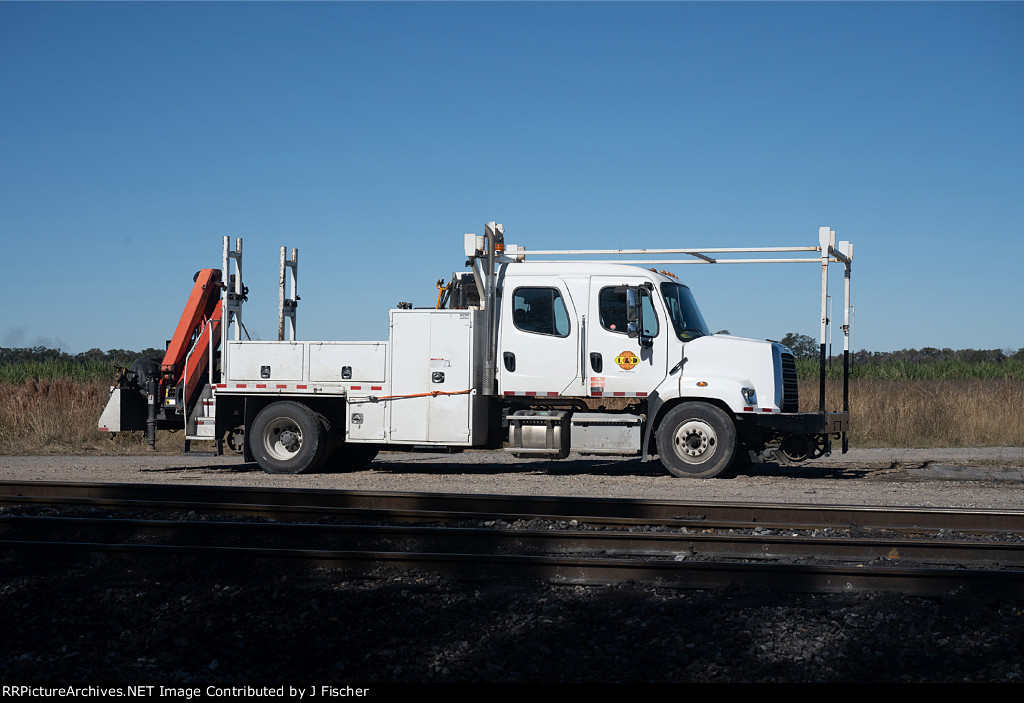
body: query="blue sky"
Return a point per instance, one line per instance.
(133, 136)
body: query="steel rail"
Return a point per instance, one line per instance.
(297, 504)
(477, 540)
(985, 583)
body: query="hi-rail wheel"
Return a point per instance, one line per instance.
(288, 438)
(234, 439)
(696, 440)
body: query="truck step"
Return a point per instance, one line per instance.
(205, 428)
(188, 451)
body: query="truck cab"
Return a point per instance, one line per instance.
(631, 342)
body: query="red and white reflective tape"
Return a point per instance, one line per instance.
(763, 410)
(549, 394)
(285, 387)
(619, 394)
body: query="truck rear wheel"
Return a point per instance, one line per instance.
(696, 440)
(288, 438)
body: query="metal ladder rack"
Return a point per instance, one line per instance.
(829, 251)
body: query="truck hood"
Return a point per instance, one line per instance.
(730, 342)
(721, 366)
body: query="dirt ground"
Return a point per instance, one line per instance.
(975, 478)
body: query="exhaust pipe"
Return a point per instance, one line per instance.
(494, 237)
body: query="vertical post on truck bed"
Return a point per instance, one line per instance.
(286, 306)
(233, 297)
(846, 256)
(826, 238)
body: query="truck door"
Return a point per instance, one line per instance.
(618, 365)
(538, 344)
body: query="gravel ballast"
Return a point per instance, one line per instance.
(264, 623)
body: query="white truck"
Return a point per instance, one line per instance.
(538, 357)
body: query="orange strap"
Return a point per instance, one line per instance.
(432, 394)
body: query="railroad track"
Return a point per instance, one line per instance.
(578, 540)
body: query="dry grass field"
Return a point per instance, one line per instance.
(60, 416)
(927, 413)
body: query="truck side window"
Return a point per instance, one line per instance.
(541, 311)
(611, 305)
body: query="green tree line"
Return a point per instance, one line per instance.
(19, 364)
(924, 363)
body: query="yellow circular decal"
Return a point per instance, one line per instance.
(627, 360)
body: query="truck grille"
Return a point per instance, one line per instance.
(790, 394)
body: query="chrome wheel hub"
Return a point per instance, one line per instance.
(695, 441)
(282, 438)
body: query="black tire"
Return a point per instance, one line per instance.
(288, 438)
(696, 440)
(352, 457)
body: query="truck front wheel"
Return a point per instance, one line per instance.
(696, 440)
(288, 438)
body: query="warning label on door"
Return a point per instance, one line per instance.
(627, 360)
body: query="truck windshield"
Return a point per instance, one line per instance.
(683, 311)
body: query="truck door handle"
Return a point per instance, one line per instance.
(596, 362)
(510, 361)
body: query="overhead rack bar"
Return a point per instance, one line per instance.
(703, 260)
(703, 256)
(728, 250)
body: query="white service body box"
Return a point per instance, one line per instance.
(437, 351)
(264, 361)
(338, 362)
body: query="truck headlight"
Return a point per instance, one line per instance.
(749, 395)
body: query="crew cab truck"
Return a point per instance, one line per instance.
(538, 357)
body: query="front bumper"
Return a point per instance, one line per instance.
(806, 423)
